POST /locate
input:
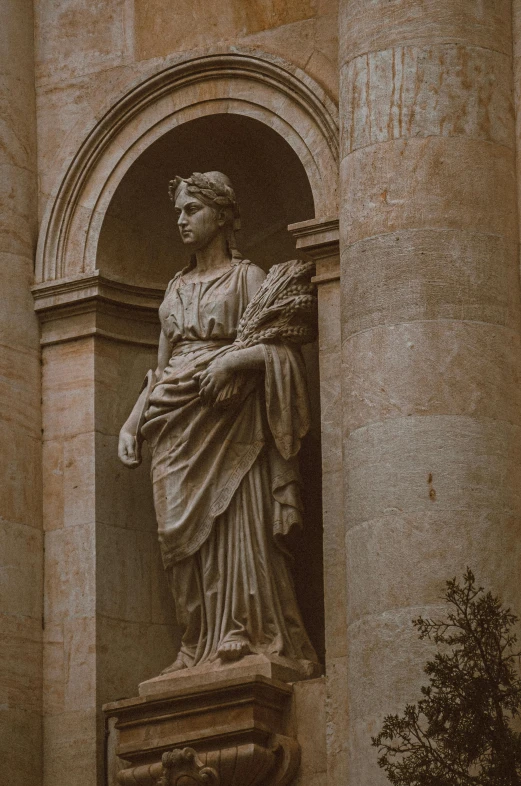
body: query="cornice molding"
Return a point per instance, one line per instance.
(319, 239)
(88, 306)
(75, 291)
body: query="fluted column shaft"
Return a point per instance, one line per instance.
(430, 332)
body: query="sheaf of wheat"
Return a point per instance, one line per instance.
(283, 309)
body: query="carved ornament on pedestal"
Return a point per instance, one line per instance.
(182, 767)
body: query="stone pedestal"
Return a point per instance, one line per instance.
(229, 730)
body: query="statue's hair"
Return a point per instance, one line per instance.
(213, 189)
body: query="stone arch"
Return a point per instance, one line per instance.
(256, 85)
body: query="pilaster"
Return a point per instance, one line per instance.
(108, 613)
(318, 239)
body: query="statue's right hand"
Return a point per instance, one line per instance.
(127, 449)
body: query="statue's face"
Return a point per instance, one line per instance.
(198, 223)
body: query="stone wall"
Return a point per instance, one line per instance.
(21, 546)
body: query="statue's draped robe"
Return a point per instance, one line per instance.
(226, 482)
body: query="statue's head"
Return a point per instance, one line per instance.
(213, 191)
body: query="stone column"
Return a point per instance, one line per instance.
(21, 549)
(516, 11)
(430, 332)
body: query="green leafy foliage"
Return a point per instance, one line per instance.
(461, 732)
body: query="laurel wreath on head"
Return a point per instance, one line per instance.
(199, 184)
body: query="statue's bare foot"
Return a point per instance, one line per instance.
(234, 650)
(177, 665)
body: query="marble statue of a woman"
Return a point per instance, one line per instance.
(224, 465)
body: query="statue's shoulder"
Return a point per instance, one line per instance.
(171, 284)
(175, 280)
(254, 276)
(252, 271)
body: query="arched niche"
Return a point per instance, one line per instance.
(139, 244)
(99, 327)
(257, 86)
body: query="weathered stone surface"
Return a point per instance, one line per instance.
(377, 25)
(54, 668)
(21, 502)
(21, 540)
(119, 374)
(123, 500)
(472, 463)
(21, 659)
(412, 91)
(122, 665)
(20, 387)
(516, 14)
(159, 32)
(70, 748)
(330, 381)
(70, 573)
(119, 43)
(75, 38)
(337, 719)
(92, 621)
(447, 367)
(329, 316)
(213, 675)
(17, 203)
(131, 585)
(334, 566)
(52, 474)
(387, 188)
(385, 671)
(17, 137)
(381, 549)
(17, 46)
(67, 382)
(21, 578)
(19, 332)
(428, 274)
(430, 331)
(20, 745)
(310, 720)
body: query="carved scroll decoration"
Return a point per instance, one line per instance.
(274, 765)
